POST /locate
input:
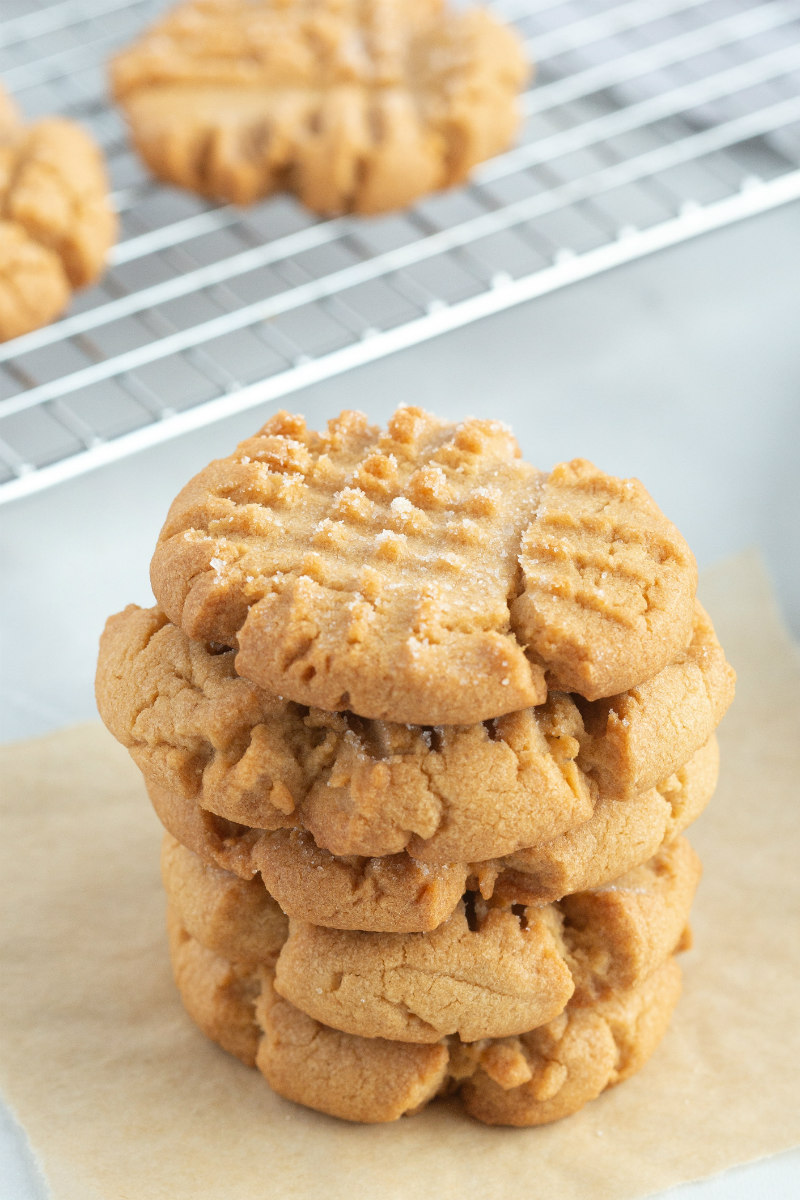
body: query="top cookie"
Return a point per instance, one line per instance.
(355, 105)
(425, 575)
(56, 224)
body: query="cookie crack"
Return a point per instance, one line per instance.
(441, 801)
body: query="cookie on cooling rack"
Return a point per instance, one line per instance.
(397, 894)
(451, 794)
(424, 574)
(490, 970)
(56, 222)
(530, 1079)
(353, 106)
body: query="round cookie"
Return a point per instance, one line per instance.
(491, 971)
(425, 574)
(488, 971)
(400, 895)
(355, 107)
(373, 788)
(56, 225)
(537, 1077)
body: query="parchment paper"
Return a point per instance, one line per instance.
(123, 1098)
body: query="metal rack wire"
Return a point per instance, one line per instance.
(651, 121)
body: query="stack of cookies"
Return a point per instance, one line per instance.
(424, 725)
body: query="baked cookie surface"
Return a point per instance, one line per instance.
(397, 894)
(449, 794)
(56, 222)
(530, 1079)
(424, 574)
(354, 105)
(490, 970)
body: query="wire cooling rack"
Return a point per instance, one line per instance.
(650, 122)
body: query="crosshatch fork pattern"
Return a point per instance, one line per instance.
(650, 121)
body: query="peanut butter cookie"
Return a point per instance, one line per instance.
(56, 223)
(397, 894)
(426, 574)
(529, 1079)
(490, 970)
(354, 105)
(231, 916)
(371, 788)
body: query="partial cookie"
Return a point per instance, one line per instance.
(56, 223)
(219, 995)
(531, 1079)
(491, 971)
(360, 1079)
(398, 894)
(477, 977)
(646, 733)
(573, 1059)
(353, 106)
(488, 971)
(450, 794)
(393, 894)
(231, 916)
(424, 575)
(390, 894)
(619, 835)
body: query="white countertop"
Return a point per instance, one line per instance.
(683, 369)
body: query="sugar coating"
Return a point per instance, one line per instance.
(355, 105)
(56, 225)
(491, 596)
